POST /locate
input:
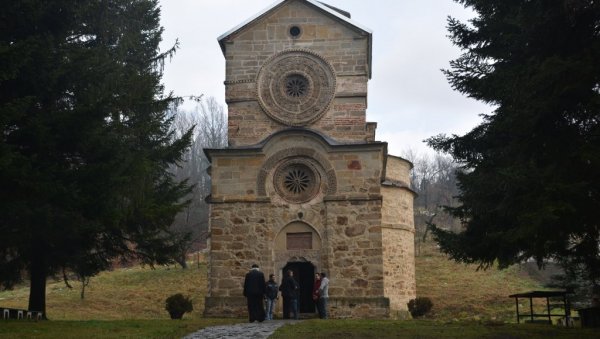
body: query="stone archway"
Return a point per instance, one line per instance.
(299, 238)
(298, 247)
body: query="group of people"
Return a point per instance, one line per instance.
(256, 290)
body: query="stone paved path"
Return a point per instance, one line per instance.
(241, 331)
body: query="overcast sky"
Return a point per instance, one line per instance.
(409, 97)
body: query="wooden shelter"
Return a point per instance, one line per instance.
(547, 295)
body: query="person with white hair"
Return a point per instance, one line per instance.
(323, 296)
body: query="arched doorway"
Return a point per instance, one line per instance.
(304, 273)
(298, 248)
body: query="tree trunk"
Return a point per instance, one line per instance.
(37, 290)
(181, 260)
(595, 295)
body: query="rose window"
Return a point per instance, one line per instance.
(296, 86)
(297, 181)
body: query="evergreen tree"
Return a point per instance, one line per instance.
(531, 185)
(85, 143)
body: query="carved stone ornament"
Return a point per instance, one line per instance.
(297, 180)
(296, 87)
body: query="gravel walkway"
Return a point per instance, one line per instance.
(241, 331)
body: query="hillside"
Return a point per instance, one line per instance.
(126, 293)
(461, 292)
(458, 291)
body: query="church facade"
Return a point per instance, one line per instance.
(304, 185)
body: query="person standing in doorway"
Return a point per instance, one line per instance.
(315, 292)
(289, 291)
(254, 291)
(323, 296)
(271, 295)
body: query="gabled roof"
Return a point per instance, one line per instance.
(327, 9)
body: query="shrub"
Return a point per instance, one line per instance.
(420, 306)
(177, 305)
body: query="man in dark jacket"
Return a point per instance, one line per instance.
(271, 295)
(254, 291)
(289, 291)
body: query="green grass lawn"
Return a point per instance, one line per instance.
(350, 329)
(335, 328)
(157, 328)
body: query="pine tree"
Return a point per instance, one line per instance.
(85, 143)
(531, 185)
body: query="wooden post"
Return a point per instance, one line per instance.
(531, 307)
(567, 310)
(548, 308)
(517, 304)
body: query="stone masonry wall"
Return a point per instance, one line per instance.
(398, 169)
(358, 173)
(244, 233)
(397, 208)
(238, 234)
(345, 121)
(244, 226)
(355, 259)
(399, 268)
(340, 45)
(234, 177)
(398, 239)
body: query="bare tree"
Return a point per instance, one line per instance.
(210, 131)
(213, 124)
(433, 178)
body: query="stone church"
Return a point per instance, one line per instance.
(304, 185)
